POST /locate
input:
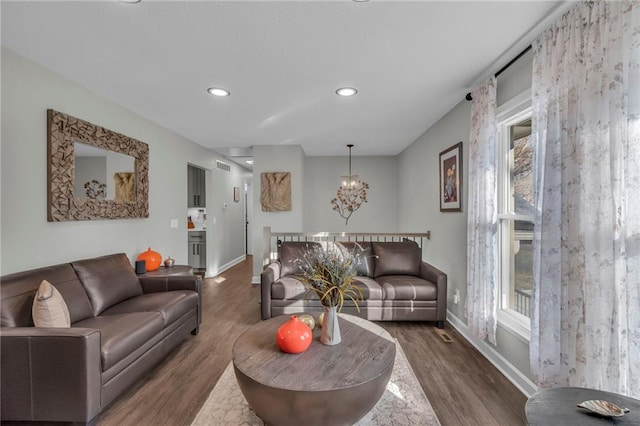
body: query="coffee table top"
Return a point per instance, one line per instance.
(558, 406)
(365, 352)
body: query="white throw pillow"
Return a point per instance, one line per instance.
(49, 308)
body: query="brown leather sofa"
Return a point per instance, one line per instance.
(121, 326)
(396, 283)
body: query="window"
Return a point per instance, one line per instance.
(516, 215)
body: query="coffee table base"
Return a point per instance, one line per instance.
(325, 385)
(280, 407)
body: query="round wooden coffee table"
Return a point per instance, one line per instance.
(326, 385)
(557, 406)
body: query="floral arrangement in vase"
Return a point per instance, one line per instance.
(331, 274)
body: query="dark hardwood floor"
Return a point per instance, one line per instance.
(463, 387)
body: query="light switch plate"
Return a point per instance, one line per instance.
(174, 223)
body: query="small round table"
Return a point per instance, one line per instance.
(325, 385)
(557, 406)
(165, 272)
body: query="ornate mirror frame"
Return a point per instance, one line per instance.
(62, 131)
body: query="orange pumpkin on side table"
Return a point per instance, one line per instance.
(153, 259)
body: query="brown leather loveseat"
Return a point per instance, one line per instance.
(396, 283)
(121, 326)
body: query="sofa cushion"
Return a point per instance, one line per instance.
(397, 258)
(170, 304)
(49, 308)
(371, 290)
(122, 334)
(405, 287)
(364, 255)
(289, 288)
(107, 280)
(291, 252)
(19, 289)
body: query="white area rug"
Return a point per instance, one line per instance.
(403, 402)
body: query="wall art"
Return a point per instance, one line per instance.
(275, 194)
(451, 179)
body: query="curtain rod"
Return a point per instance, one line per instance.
(503, 69)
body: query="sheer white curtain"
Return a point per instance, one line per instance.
(585, 327)
(482, 217)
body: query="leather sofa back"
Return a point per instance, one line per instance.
(17, 292)
(107, 280)
(290, 252)
(363, 252)
(397, 258)
(375, 259)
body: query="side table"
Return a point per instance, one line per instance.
(165, 272)
(557, 406)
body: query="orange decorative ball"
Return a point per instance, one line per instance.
(153, 259)
(294, 336)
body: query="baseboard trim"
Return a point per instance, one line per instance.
(515, 376)
(222, 268)
(255, 279)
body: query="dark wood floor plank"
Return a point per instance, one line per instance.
(463, 387)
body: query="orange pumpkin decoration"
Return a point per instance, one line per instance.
(153, 259)
(294, 336)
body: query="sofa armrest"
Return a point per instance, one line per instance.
(269, 275)
(439, 278)
(170, 283)
(51, 374)
(174, 282)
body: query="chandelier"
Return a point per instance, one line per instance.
(352, 193)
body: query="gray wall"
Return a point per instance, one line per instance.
(419, 206)
(321, 180)
(419, 198)
(314, 182)
(29, 241)
(281, 158)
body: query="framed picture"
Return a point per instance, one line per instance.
(236, 194)
(451, 179)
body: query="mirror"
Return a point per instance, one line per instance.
(102, 174)
(93, 172)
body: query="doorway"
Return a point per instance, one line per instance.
(248, 216)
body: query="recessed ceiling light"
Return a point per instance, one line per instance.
(346, 91)
(249, 161)
(360, 1)
(218, 91)
(131, 1)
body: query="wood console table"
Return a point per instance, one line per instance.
(165, 272)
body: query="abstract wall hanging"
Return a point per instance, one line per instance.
(275, 194)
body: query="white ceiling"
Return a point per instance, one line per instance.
(282, 61)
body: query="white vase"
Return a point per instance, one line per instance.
(330, 327)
